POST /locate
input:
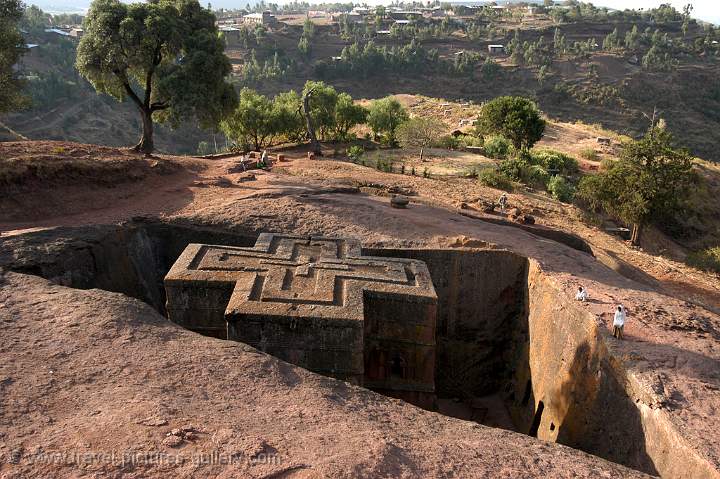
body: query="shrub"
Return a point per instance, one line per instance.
(514, 168)
(449, 142)
(554, 161)
(537, 176)
(204, 148)
(470, 140)
(589, 154)
(497, 147)
(355, 152)
(606, 164)
(706, 260)
(561, 189)
(495, 178)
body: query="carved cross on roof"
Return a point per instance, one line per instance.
(297, 276)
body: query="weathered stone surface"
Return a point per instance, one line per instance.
(399, 201)
(315, 302)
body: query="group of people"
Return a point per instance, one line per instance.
(582, 294)
(618, 319)
(263, 162)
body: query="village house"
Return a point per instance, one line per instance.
(264, 18)
(77, 33)
(231, 35)
(405, 15)
(496, 49)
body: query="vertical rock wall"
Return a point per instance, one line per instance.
(570, 388)
(481, 305)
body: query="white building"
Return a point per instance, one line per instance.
(495, 49)
(264, 18)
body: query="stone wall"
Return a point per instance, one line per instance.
(570, 388)
(481, 306)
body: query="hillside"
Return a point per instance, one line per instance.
(569, 78)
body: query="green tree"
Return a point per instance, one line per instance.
(385, 116)
(322, 104)
(304, 47)
(308, 29)
(11, 85)
(687, 9)
(253, 123)
(517, 52)
(288, 117)
(632, 39)
(490, 69)
(650, 181)
(612, 40)
(559, 43)
(513, 117)
(347, 115)
(35, 21)
(420, 132)
(165, 55)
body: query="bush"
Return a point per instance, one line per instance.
(383, 165)
(589, 154)
(470, 140)
(606, 164)
(204, 148)
(449, 142)
(537, 176)
(561, 189)
(706, 260)
(495, 178)
(554, 161)
(497, 147)
(355, 152)
(515, 168)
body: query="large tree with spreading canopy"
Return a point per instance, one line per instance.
(164, 55)
(649, 183)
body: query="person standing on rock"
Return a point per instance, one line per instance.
(619, 322)
(503, 202)
(581, 294)
(264, 159)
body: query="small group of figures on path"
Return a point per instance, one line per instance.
(618, 319)
(582, 294)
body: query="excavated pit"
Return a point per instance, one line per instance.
(511, 352)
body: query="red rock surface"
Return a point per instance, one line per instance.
(89, 374)
(116, 363)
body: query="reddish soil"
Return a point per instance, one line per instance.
(115, 376)
(129, 394)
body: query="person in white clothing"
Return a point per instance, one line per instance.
(581, 294)
(503, 202)
(619, 322)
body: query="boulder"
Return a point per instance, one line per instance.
(514, 213)
(246, 177)
(399, 201)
